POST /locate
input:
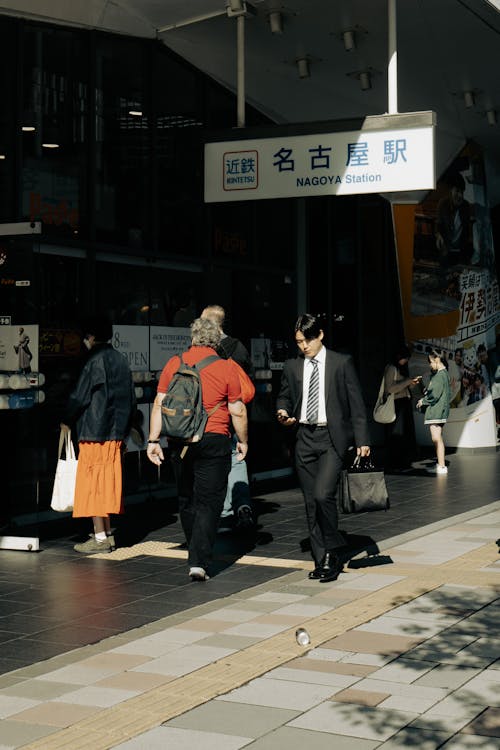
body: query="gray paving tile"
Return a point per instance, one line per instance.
(447, 676)
(279, 693)
(423, 739)
(346, 719)
(298, 739)
(403, 670)
(13, 704)
(102, 697)
(173, 738)
(312, 677)
(16, 733)
(450, 724)
(39, 690)
(471, 742)
(224, 640)
(184, 660)
(238, 719)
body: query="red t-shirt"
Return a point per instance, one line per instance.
(219, 382)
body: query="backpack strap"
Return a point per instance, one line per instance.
(206, 361)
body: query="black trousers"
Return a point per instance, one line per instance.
(318, 468)
(201, 485)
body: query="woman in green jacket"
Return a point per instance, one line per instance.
(436, 403)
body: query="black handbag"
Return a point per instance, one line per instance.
(362, 487)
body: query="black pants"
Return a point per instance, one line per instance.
(400, 446)
(318, 468)
(201, 484)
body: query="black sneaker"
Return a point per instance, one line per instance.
(244, 518)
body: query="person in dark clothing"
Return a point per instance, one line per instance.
(400, 435)
(320, 394)
(201, 470)
(101, 407)
(238, 503)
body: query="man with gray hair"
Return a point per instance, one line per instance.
(202, 471)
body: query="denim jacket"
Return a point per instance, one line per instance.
(103, 401)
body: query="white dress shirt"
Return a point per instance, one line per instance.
(308, 369)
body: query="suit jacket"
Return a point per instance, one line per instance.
(345, 408)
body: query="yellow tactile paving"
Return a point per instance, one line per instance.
(111, 726)
(171, 550)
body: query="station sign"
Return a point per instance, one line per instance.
(368, 160)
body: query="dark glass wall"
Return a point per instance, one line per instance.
(53, 129)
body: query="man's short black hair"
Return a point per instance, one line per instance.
(98, 326)
(309, 326)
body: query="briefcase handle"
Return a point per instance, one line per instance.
(362, 463)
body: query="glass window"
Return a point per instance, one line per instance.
(147, 295)
(179, 157)
(275, 233)
(122, 196)
(7, 131)
(54, 129)
(232, 231)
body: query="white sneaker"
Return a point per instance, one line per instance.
(198, 574)
(438, 469)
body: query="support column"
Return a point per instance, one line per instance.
(392, 68)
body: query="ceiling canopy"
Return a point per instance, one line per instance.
(448, 54)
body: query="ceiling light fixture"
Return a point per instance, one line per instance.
(491, 116)
(135, 112)
(50, 145)
(28, 128)
(303, 67)
(349, 39)
(365, 80)
(276, 22)
(468, 99)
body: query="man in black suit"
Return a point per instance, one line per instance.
(321, 394)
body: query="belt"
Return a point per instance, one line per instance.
(322, 426)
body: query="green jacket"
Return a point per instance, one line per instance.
(437, 398)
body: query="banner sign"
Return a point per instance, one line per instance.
(133, 343)
(347, 163)
(166, 341)
(450, 296)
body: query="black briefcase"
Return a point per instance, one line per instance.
(362, 487)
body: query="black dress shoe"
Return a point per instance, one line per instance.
(313, 575)
(331, 568)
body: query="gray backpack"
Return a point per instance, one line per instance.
(183, 415)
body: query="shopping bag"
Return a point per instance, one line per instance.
(384, 410)
(362, 487)
(64, 481)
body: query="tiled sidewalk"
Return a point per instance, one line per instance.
(402, 654)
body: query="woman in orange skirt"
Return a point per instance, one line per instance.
(102, 406)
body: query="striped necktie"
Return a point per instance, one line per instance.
(313, 395)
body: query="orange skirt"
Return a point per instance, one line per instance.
(98, 490)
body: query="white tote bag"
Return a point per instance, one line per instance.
(384, 410)
(64, 481)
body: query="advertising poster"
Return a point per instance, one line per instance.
(165, 342)
(450, 295)
(19, 348)
(133, 343)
